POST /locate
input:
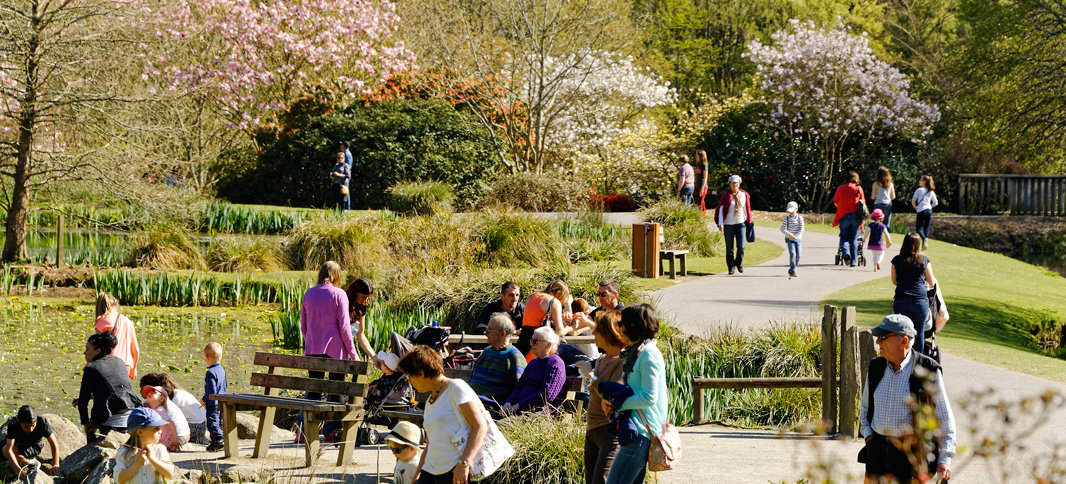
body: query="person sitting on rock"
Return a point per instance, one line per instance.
(22, 444)
(176, 432)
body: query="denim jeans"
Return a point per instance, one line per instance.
(343, 199)
(738, 233)
(849, 236)
(917, 310)
(921, 224)
(686, 195)
(887, 208)
(794, 249)
(631, 463)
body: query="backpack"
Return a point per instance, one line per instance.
(876, 371)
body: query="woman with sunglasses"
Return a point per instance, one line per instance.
(541, 384)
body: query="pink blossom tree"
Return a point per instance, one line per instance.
(824, 86)
(253, 57)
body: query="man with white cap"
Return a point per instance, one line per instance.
(900, 386)
(731, 215)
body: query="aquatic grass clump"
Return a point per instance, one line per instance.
(548, 450)
(422, 197)
(510, 239)
(356, 243)
(165, 246)
(430, 246)
(161, 289)
(684, 228)
(588, 237)
(227, 218)
(241, 254)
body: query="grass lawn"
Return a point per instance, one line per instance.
(754, 254)
(989, 297)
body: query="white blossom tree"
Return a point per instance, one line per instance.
(824, 86)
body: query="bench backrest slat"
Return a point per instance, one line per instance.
(311, 363)
(313, 385)
(458, 373)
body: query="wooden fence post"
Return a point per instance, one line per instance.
(59, 240)
(867, 352)
(829, 365)
(849, 374)
(697, 403)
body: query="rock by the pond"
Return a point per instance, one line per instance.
(79, 464)
(191, 476)
(248, 473)
(68, 435)
(248, 427)
(113, 440)
(103, 472)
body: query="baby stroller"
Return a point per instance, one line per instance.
(860, 241)
(937, 308)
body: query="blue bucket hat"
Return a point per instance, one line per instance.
(895, 323)
(143, 417)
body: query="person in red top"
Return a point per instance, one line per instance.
(849, 216)
(731, 215)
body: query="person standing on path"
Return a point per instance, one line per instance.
(325, 327)
(886, 416)
(643, 370)
(347, 154)
(878, 239)
(731, 215)
(912, 274)
(923, 201)
(686, 180)
(884, 192)
(601, 444)
(847, 199)
(792, 227)
(341, 176)
(701, 167)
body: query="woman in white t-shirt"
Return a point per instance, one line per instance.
(884, 191)
(923, 201)
(191, 408)
(143, 460)
(452, 410)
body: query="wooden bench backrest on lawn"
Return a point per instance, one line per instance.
(315, 412)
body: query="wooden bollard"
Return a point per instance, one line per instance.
(850, 381)
(829, 365)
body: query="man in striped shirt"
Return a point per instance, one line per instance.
(500, 365)
(887, 416)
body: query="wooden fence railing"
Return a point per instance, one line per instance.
(841, 384)
(1014, 194)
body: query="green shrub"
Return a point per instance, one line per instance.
(547, 450)
(421, 198)
(589, 237)
(243, 254)
(356, 243)
(165, 246)
(536, 192)
(684, 227)
(510, 239)
(391, 141)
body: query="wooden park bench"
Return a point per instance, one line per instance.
(315, 412)
(571, 387)
(680, 255)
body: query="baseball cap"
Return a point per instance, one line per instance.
(149, 389)
(895, 323)
(792, 207)
(405, 433)
(143, 417)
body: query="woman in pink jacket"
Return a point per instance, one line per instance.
(732, 215)
(110, 318)
(325, 326)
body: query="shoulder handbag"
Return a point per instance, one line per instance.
(344, 190)
(494, 452)
(665, 448)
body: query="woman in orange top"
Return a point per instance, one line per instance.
(109, 318)
(542, 309)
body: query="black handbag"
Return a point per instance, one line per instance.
(749, 228)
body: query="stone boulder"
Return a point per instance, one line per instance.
(82, 462)
(248, 473)
(103, 473)
(68, 435)
(248, 428)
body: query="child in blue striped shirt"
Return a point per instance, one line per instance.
(792, 227)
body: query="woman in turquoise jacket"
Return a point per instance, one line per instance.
(645, 372)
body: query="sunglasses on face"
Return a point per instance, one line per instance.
(603, 294)
(396, 450)
(881, 339)
(538, 341)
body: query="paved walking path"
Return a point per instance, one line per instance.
(763, 295)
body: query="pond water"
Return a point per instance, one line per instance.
(1054, 263)
(79, 246)
(41, 349)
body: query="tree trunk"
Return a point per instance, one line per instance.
(15, 230)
